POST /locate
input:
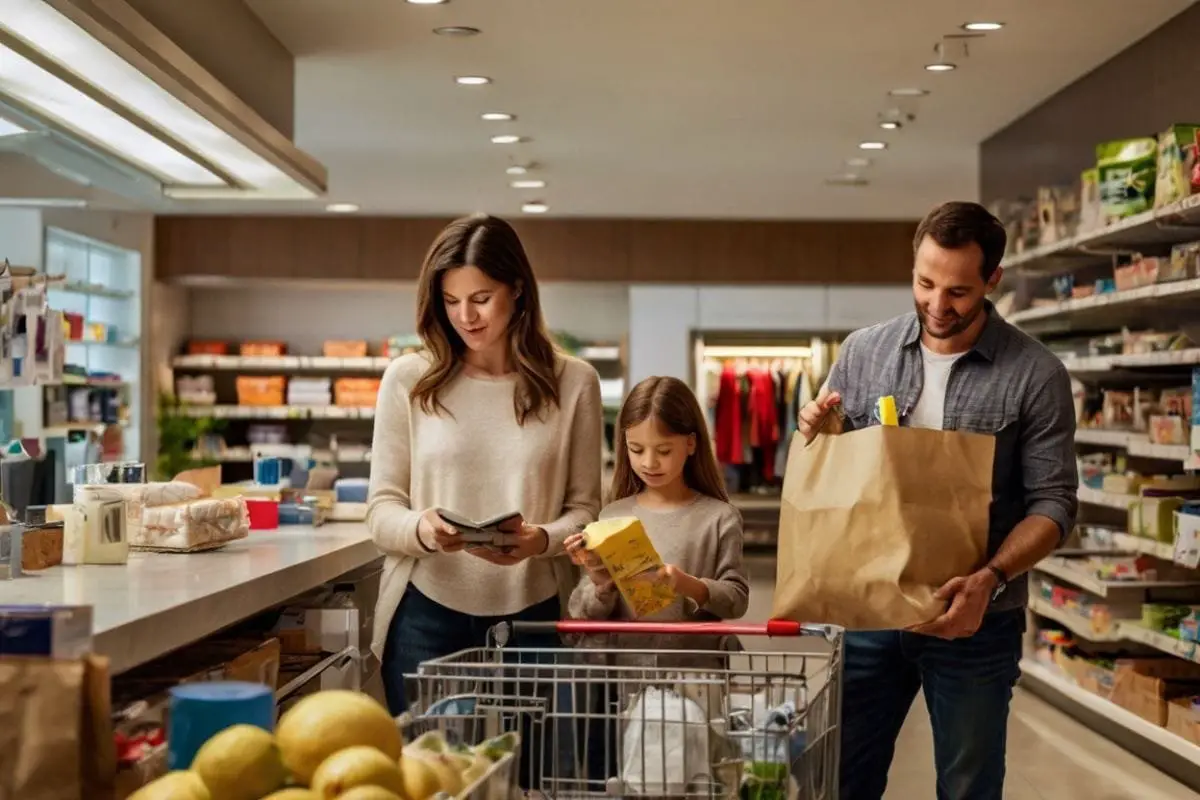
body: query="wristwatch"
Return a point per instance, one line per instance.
(1001, 581)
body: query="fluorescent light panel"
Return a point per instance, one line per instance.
(70, 46)
(8, 127)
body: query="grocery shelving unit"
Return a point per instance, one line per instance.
(1113, 620)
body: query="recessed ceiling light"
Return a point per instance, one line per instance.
(507, 138)
(472, 80)
(530, 184)
(428, 2)
(535, 208)
(456, 30)
(498, 116)
(890, 125)
(846, 179)
(940, 66)
(983, 26)
(341, 208)
(872, 146)
(858, 163)
(517, 169)
(908, 92)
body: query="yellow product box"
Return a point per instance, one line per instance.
(627, 552)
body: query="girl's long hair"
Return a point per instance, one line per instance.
(670, 403)
(491, 245)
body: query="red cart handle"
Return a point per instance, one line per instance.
(772, 628)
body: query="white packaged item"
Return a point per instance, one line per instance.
(95, 528)
(666, 744)
(160, 493)
(197, 525)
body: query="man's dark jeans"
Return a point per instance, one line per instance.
(967, 684)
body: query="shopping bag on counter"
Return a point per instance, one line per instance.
(874, 521)
(56, 732)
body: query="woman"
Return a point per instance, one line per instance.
(490, 419)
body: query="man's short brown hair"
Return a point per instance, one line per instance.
(956, 224)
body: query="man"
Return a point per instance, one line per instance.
(954, 364)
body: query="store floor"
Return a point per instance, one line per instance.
(1050, 755)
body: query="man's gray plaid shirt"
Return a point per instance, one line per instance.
(1007, 385)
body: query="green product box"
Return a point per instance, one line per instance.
(1176, 159)
(1127, 168)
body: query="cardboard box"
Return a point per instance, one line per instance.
(1145, 686)
(1182, 720)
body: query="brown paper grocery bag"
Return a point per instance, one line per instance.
(874, 521)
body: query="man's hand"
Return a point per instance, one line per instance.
(576, 546)
(812, 416)
(443, 535)
(969, 598)
(531, 541)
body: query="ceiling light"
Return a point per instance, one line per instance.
(908, 92)
(113, 105)
(846, 179)
(472, 80)
(456, 30)
(940, 66)
(535, 208)
(342, 208)
(8, 128)
(517, 169)
(858, 163)
(428, 2)
(872, 146)
(498, 116)
(532, 184)
(507, 138)
(890, 125)
(43, 202)
(983, 26)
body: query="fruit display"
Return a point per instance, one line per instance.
(332, 745)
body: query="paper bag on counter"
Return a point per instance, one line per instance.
(874, 521)
(56, 735)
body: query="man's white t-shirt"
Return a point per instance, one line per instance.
(930, 410)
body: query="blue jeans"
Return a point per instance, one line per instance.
(968, 685)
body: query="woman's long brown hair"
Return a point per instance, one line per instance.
(670, 403)
(491, 245)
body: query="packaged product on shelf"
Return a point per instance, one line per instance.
(304, 391)
(356, 392)
(204, 347)
(1145, 686)
(344, 349)
(1117, 411)
(1140, 272)
(1166, 429)
(1183, 717)
(1058, 213)
(197, 390)
(1196, 409)
(1127, 170)
(265, 349)
(51, 631)
(1091, 207)
(254, 390)
(1183, 264)
(1176, 161)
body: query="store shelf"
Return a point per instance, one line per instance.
(1112, 307)
(1076, 624)
(276, 412)
(1097, 497)
(281, 363)
(1063, 570)
(1139, 544)
(245, 455)
(1145, 738)
(1158, 228)
(1137, 444)
(1134, 632)
(1167, 358)
(92, 290)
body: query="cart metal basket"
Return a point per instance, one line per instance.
(603, 721)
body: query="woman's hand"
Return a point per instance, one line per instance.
(443, 535)
(576, 545)
(531, 541)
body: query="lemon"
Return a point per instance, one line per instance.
(240, 763)
(354, 767)
(326, 722)
(179, 785)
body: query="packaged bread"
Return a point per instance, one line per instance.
(199, 524)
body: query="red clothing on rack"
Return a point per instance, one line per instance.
(729, 417)
(764, 417)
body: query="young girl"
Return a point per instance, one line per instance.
(667, 477)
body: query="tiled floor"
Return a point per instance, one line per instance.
(1050, 756)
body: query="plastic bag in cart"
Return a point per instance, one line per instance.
(666, 745)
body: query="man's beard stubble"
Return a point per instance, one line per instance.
(963, 323)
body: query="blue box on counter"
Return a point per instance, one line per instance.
(51, 631)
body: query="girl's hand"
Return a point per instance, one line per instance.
(576, 545)
(531, 542)
(684, 584)
(443, 535)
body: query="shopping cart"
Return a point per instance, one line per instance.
(602, 721)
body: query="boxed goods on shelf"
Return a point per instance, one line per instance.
(1183, 264)
(263, 349)
(1091, 208)
(1138, 273)
(1145, 686)
(197, 390)
(304, 391)
(1058, 213)
(344, 349)
(1176, 162)
(1128, 170)
(1183, 718)
(254, 390)
(202, 347)
(356, 392)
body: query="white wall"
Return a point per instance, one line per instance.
(304, 317)
(663, 318)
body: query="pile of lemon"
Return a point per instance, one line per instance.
(332, 745)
